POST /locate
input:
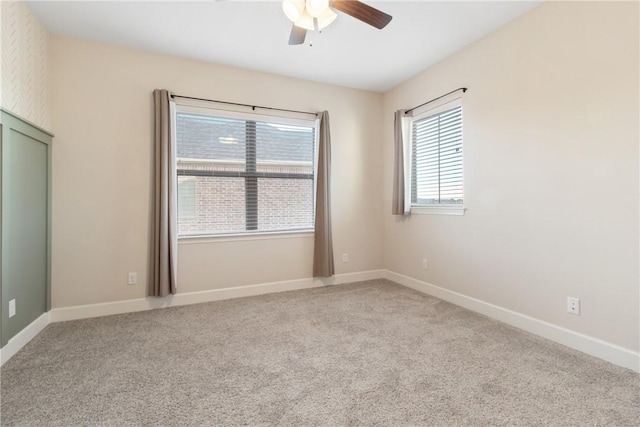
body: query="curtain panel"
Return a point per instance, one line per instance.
(401, 203)
(163, 269)
(323, 245)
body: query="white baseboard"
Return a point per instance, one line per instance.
(23, 337)
(593, 346)
(360, 276)
(142, 304)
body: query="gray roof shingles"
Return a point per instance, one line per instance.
(199, 137)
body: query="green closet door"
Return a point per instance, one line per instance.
(24, 229)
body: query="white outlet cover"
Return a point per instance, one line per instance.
(132, 279)
(12, 308)
(573, 305)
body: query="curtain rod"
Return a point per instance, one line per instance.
(253, 107)
(463, 89)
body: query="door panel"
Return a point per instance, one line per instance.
(24, 236)
(25, 194)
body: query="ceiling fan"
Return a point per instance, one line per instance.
(310, 15)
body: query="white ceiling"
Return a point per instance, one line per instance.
(254, 35)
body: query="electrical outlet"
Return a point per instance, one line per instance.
(345, 257)
(133, 278)
(425, 264)
(12, 308)
(573, 305)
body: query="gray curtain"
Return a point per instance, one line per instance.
(164, 240)
(323, 246)
(401, 203)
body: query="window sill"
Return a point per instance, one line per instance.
(265, 235)
(438, 210)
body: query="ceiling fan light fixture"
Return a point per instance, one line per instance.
(326, 18)
(311, 15)
(293, 9)
(305, 21)
(317, 8)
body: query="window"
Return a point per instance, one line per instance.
(437, 167)
(241, 172)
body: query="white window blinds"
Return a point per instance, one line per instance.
(437, 167)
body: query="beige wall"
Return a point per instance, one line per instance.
(102, 103)
(551, 171)
(24, 64)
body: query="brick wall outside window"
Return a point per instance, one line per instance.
(284, 203)
(220, 205)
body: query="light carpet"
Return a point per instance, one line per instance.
(369, 353)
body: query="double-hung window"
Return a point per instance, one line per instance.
(437, 158)
(242, 172)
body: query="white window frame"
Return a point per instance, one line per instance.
(425, 111)
(240, 112)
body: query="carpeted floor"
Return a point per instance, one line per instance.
(370, 353)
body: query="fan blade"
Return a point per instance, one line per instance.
(297, 35)
(363, 12)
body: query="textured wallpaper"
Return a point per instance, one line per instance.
(24, 64)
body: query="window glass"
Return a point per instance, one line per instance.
(437, 170)
(239, 175)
